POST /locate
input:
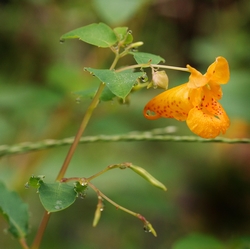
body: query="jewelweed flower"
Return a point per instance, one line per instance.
(196, 101)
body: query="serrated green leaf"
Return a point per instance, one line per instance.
(56, 196)
(15, 211)
(119, 83)
(80, 189)
(143, 58)
(98, 34)
(35, 181)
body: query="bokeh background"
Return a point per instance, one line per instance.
(207, 204)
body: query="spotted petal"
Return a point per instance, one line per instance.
(208, 125)
(173, 103)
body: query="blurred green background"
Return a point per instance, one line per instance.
(207, 204)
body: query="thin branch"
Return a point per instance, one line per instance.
(42, 227)
(152, 135)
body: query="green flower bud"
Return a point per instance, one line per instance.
(148, 228)
(98, 211)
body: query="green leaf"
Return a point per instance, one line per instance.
(122, 33)
(15, 211)
(198, 241)
(35, 181)
(98, 34)
(119, 83)
(106, 95)
(143, 58)
(80, 189)
(56, 196)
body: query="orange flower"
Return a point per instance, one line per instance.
(195, 101)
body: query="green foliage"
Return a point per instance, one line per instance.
(119, 83)
(56, 196)
(15, 211)
(124, 34)
(144, 58)
(35, 181)
(99, 35)
(80, 189)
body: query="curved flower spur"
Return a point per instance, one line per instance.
(196, 101)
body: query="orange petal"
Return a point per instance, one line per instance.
(207, 125)
(196, 79)
(218, 72)
(173, 103)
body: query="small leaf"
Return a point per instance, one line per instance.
(119, 83)
(15, 211)
(143, 58)
(142, 172)
(98, 34)
(56, 196)
(80, 189)
(35, 181)
(123, 33)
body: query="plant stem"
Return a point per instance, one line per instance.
(84, 124)
(112, 202)
(103, 171)
(23, 243)
(40, 232)
(153, 65)
(68, 158)
(170, 67)
(85, 121)
(147, 226)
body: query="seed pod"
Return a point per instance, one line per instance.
(142, 172)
